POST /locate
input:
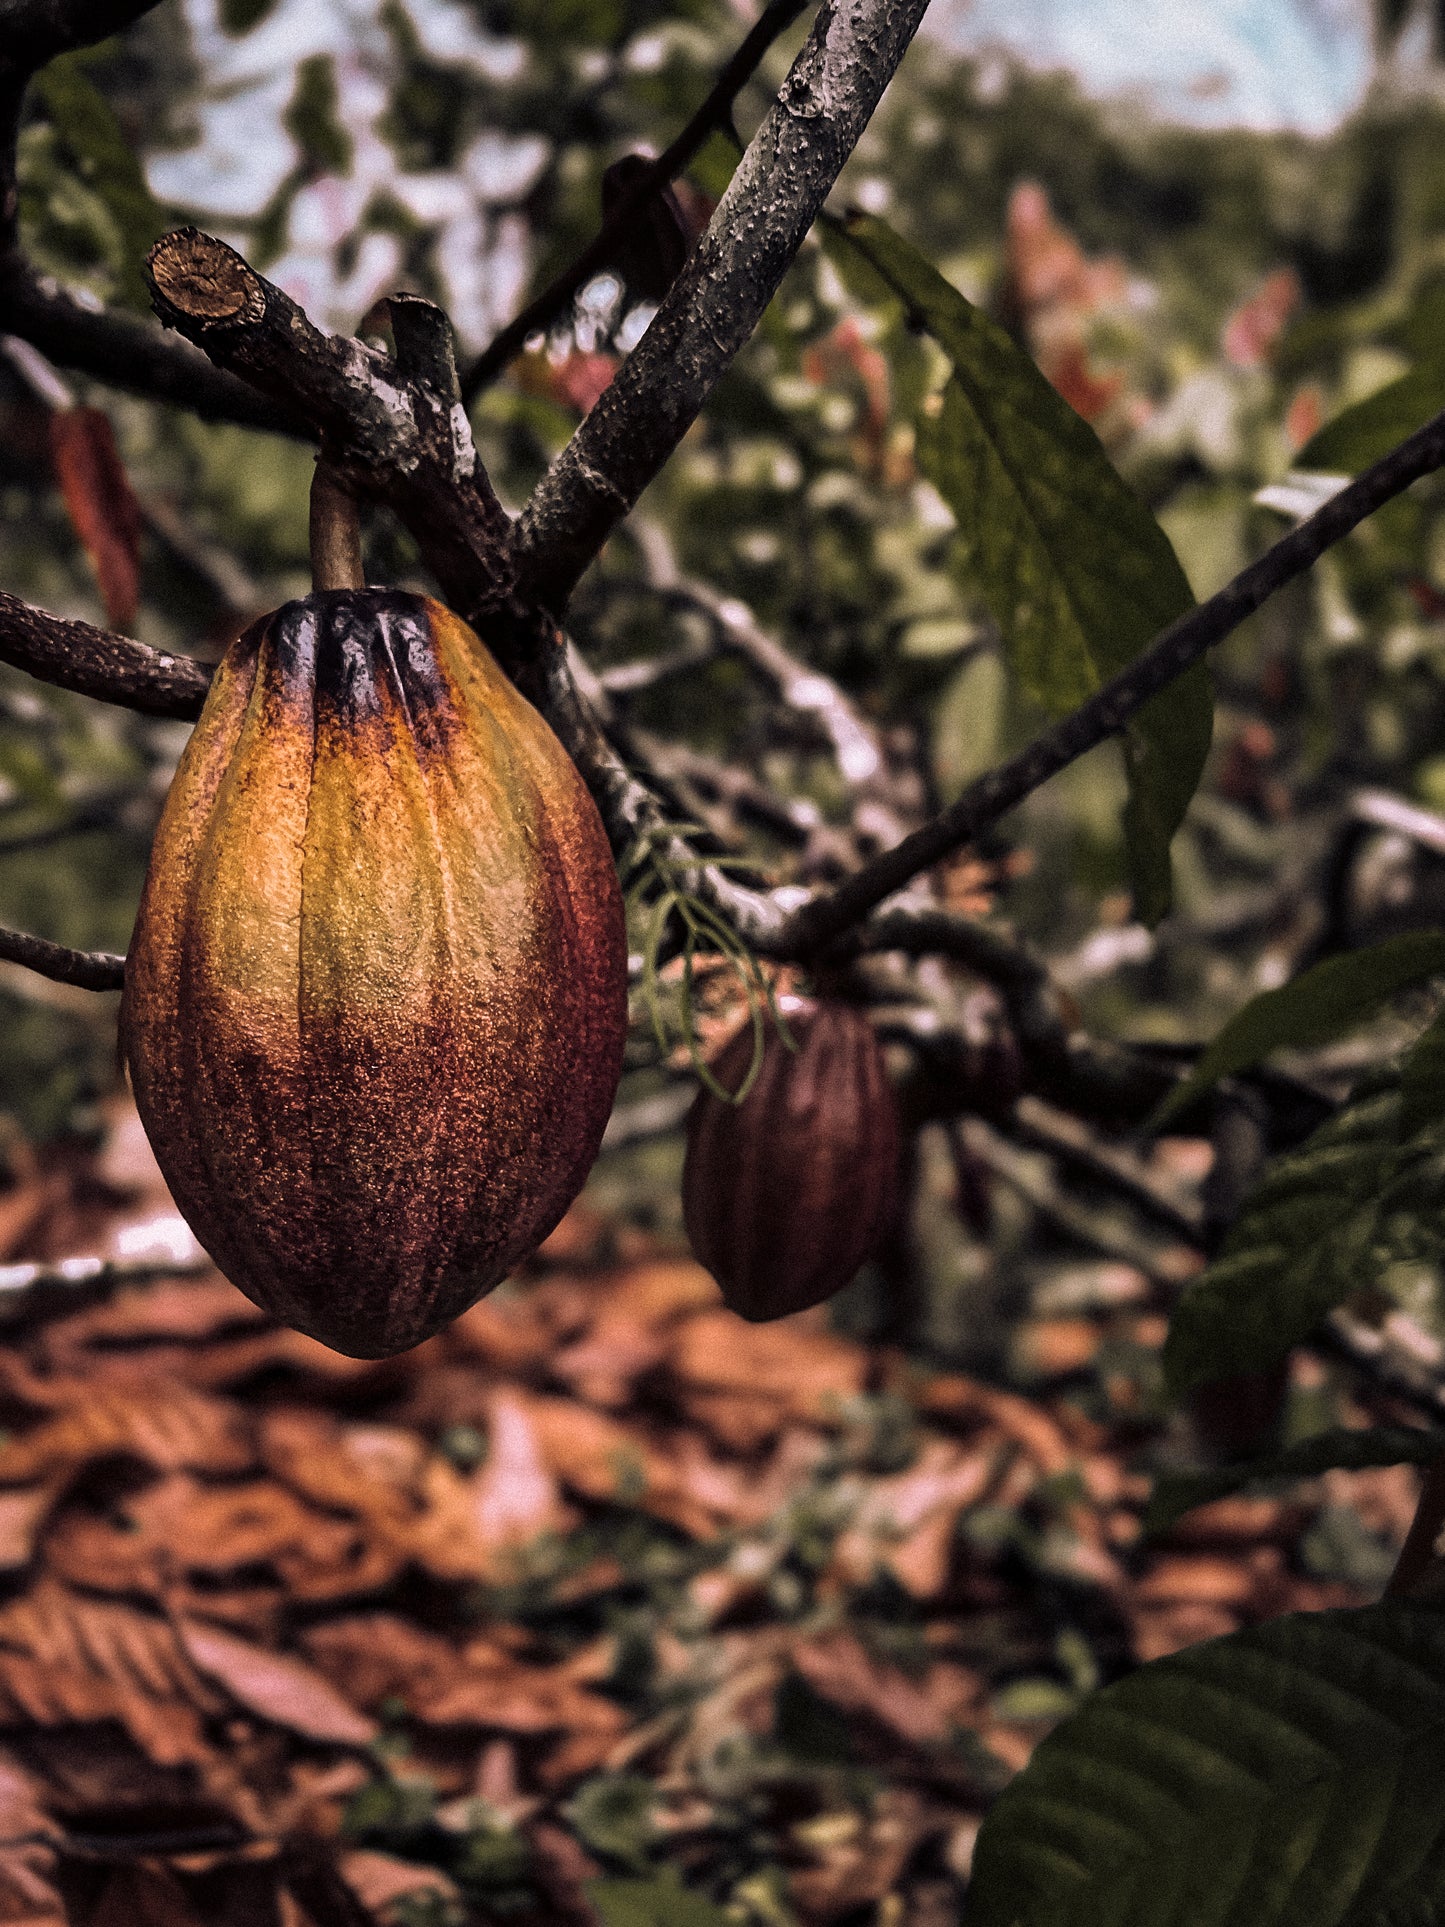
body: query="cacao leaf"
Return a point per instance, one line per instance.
(652, 248)
(1422, 1080)
(1077, 572)
(86, 123)
(1288, 1776)
(1362, 434)
(101, 504)
(1317, 1007)
(1176, 1493)
(1323, 1223)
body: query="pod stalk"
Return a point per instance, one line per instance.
(335, 533)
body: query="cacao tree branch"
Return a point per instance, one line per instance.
(126, 352)
(713, 116)
(393, 429)
(718, 298)
(95, 662)
(1184, 642)
(87, 969)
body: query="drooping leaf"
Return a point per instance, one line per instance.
(1327, 1220)
(1317, 1007)
(1077, 572)
(101, 504)
(1176, 1493)
(1287, 1776)
(1362, 434)
(652, 1903)
(86, 122)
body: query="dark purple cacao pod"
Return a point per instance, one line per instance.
(786, 1194)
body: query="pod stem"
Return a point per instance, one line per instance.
(335, 532)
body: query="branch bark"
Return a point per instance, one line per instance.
(94, 662)
(812, 928)
(394, 429)
(718, 299)
(87, 969)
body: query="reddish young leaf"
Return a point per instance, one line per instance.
(102, 505)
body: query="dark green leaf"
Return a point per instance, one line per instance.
(1078, 574)
(1325, 1221)
(239, 16)
(1176, 1493)
(312, 119)
(1422, 1081)
(1316, 1008)
(1373, 427)
(1287, 1776)
(85, 122)
(652, 1903)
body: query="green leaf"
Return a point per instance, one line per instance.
(1324, 1222)
(1422, 1081)
(1316, 1008)
(1287, 1776)
(652, 1903)
(1362, 434)
(1076, 571)
(1176, 1493)
(85, 121)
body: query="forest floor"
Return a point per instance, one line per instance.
(601, 1607)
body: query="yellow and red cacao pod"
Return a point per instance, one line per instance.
(375, 1002)
(787, 1193)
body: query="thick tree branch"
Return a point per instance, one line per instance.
(717, 300)
(713, 116)
(1183, 643)
(394, 429)
(94, 662)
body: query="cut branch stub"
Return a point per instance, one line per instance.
(393, 429)
(204, 281)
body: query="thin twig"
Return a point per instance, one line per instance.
(86, 969)
(713, 116)
(1176, 649)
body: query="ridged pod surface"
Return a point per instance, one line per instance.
(375, 1001)
(786, 1194)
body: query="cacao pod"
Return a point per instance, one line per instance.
(787, 1193)
(375, 1003)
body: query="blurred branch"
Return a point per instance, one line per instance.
(87, 969)
(1176, 649)
(713, 116)
(94, 662)
(718, 299)
(394, 429)
(127, 352)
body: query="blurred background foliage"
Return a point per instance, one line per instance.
(1207, 299)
